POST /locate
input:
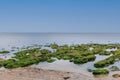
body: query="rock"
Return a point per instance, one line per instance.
(116, 75)
(66, 77)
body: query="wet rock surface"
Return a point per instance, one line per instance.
(116, 75)
(29, 73)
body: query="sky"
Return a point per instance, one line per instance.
(60, 16)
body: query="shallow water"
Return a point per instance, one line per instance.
(8, 40)
(65, 65)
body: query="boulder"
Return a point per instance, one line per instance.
(116, 75)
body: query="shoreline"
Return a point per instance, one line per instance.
(28, 73)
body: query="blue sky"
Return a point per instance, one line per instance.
(61, 16)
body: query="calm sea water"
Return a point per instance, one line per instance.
(8, 40)
(20, 39)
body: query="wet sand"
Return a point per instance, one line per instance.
(29, 73)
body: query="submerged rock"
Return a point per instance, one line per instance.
(114, 68)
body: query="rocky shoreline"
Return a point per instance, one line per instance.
(28, 73)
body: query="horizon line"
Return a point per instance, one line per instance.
(66, 32)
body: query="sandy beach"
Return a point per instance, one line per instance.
(29, 73)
